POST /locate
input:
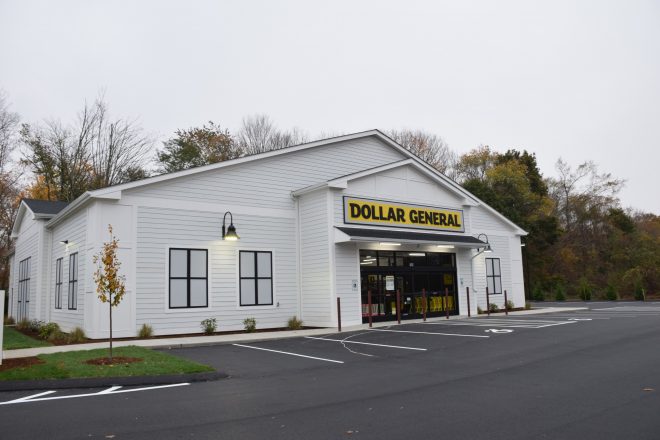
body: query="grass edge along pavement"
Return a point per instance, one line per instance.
(14, 340)
(69, 365)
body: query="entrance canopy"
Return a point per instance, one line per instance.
(343, 235)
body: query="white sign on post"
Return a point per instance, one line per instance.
(389, 282)
(2, 327)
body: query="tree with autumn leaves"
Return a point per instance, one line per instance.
(110, 285)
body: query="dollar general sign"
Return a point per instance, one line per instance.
(401, 215)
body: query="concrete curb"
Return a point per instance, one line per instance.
(100, 382)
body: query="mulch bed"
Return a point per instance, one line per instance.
(116, 360)
(8, 364)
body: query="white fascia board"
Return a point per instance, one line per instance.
(19, 219)
(71, 207)
(240, 160)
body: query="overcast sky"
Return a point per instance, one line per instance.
(573, 79)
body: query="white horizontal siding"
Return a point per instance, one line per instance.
(315, 259)
(27, 246)
(73, 229)
(268, 182)
(158, 229)
(347, 269)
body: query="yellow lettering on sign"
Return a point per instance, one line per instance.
(365, 211)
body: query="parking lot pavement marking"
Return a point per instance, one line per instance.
(107, 392)
(366, 343)
(427, 333)
(509, 323)
(289, 353)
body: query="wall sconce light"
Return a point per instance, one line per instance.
(486, 250)
(64, 242)
(229, 234)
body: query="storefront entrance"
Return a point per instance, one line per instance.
(385, 272)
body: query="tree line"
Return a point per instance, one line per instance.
(581, 242)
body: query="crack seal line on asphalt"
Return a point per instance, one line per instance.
(106, 392)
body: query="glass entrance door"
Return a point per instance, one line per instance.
(420, 277)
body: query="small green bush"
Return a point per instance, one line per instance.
(47, 330)
(9, 320)
(294, 323)
(509, 305)
(250, 324)
(560, 294)
(76, 336)
(23, 325)
(146, 332)
(537, 294)
(209, 325)
(35, 325)
(528, 306)
(480, 311)
(58, 336)
(610, 293)
(493, 308)
(640, 294)
(585, 289)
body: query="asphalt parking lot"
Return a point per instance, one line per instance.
(591, 374)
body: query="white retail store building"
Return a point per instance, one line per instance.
(329, 219)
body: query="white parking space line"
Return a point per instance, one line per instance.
(427, 333)
(289, 353)
(509, 323)
(366, 343)
(107, 392)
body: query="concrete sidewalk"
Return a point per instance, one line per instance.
(192, 341)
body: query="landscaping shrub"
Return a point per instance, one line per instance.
(209, 325)
(640, 294)
(35, 325)
(250, 324)
(480, 311)
(23, 325)
(560, 294)
(528, 306)
(46, 330)
(76, 336)
(493, 308)
(294, 323)
(537, 294)
(58, 336)
(509, 305)
(9, 320)
(610, 293)
(584, 289)
(146, 331)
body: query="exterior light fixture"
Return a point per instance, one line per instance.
(446, 246)
(65, 242)
(385, 243)
(488, 248)
(229, 233)
(416, 254)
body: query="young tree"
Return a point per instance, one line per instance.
(110, 286)
(197, 146)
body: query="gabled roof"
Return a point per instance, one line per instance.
(40, 209)
(114, 192)
(45, 207)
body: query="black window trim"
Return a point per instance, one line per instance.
(59, 263)
(187, 278)
(72, 300)
(493, 276)
(256, 279)
(24, 270)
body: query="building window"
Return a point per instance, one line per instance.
(23, 288)
(58, 283)
(493, 275)
(256, 278)
(73, 281)
(188, 278)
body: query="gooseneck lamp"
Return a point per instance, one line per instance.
(487, 249)
(229, 233)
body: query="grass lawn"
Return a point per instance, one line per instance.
(72, 365)
(14, 339)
